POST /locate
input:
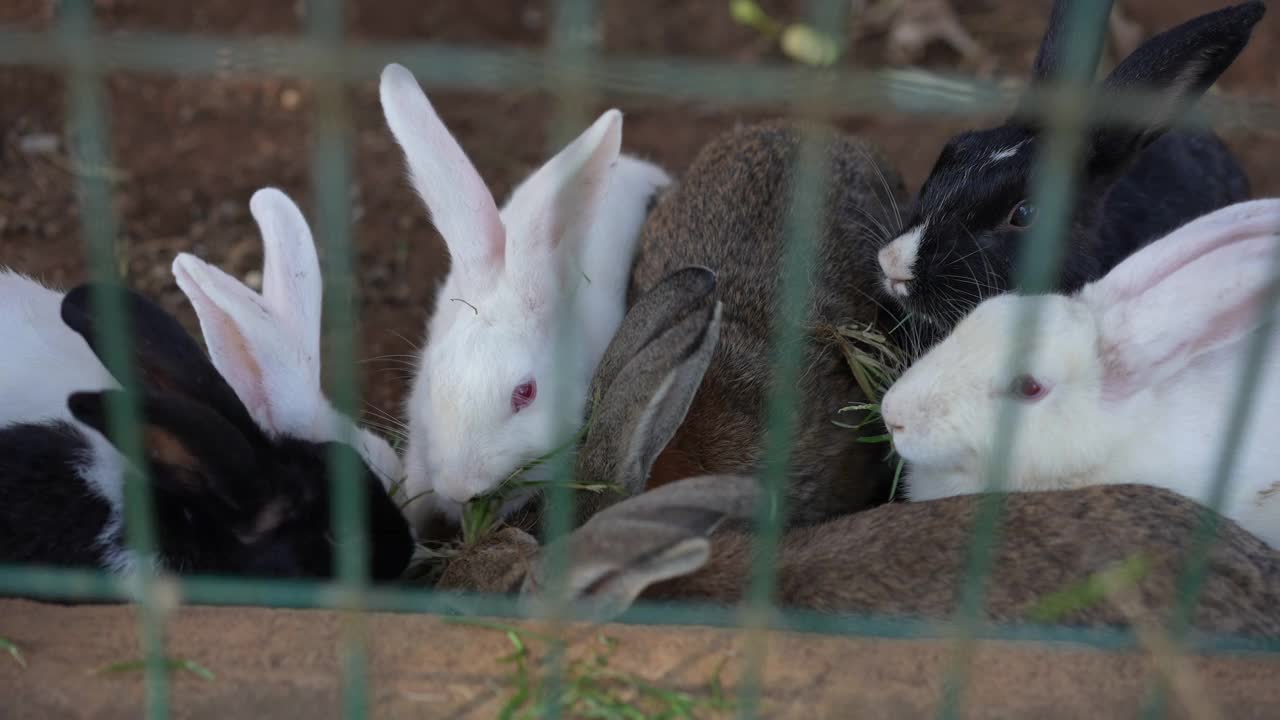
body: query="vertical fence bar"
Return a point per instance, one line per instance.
(572, 43)
(331, 180)
(802, 229)
(1053, 186)
(1194, 574)
(88, 141)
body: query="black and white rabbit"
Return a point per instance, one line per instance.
(966, 228)
(229, 496)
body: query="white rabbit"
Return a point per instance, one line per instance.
(556, 257)
(1131, 380)
(267, 346)
(32, 387)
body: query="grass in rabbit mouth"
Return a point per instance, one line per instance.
(591, 688)
(480, 514)
(875, 363)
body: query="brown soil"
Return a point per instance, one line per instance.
(287, 664)
(192, 151)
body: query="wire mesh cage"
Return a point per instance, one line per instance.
(573, 71)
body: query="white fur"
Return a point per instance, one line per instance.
(551, 267)
(268, 346)
(43, 363)
(898, 261)
(1005, 153)
(1142, 368)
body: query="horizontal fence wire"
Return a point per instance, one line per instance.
(571, 69)
(458, 67)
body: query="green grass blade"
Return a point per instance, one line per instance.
(14, 652)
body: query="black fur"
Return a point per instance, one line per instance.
(47, 513)
(228, 499)
(1137, 184)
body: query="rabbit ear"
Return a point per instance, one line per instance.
(1049, 56)
(1180, 65)
(234, 321)
(646, 382)
(268, 349)
(1213, 273)
(655, 536)
(557, 204)
(458, 200)
(166, 360)
(291, 281)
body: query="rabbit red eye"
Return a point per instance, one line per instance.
(1027, 388)
(1023, 215)
(523, 395)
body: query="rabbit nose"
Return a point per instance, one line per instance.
(896, 260)
(896, 428)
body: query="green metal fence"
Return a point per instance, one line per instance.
(574, 72)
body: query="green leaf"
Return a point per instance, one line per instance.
(875, 438)
(13, 651)
(803, 43)
(746, 12)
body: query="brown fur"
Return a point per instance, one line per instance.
(909, 560)
(728, 214)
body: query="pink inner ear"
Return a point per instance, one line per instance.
(228, 347)
(1156, 262)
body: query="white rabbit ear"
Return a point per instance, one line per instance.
(458, 200)
(1191, 292)
(234, 321)
(291, 281)
(557, 205)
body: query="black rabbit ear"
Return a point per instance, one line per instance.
(1049, 57)
(165, 359)
(190, 447)
(1178, 65)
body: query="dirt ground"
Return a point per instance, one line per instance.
(190, 152)
(424, 667)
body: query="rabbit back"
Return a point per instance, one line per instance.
(728, 214)
(910, 560)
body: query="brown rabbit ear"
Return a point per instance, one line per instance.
(655, 536)
(670, 336)
(664, 305)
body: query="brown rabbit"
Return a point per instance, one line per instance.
(728, 214)
(896, 560)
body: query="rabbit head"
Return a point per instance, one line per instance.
(228, 496)
(493, 390)
(267, 346)
(644, 386)
(970, 221)
(1100, 366)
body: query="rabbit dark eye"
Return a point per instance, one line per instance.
(523, 395)
(1027, 388)
(1023, 215)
